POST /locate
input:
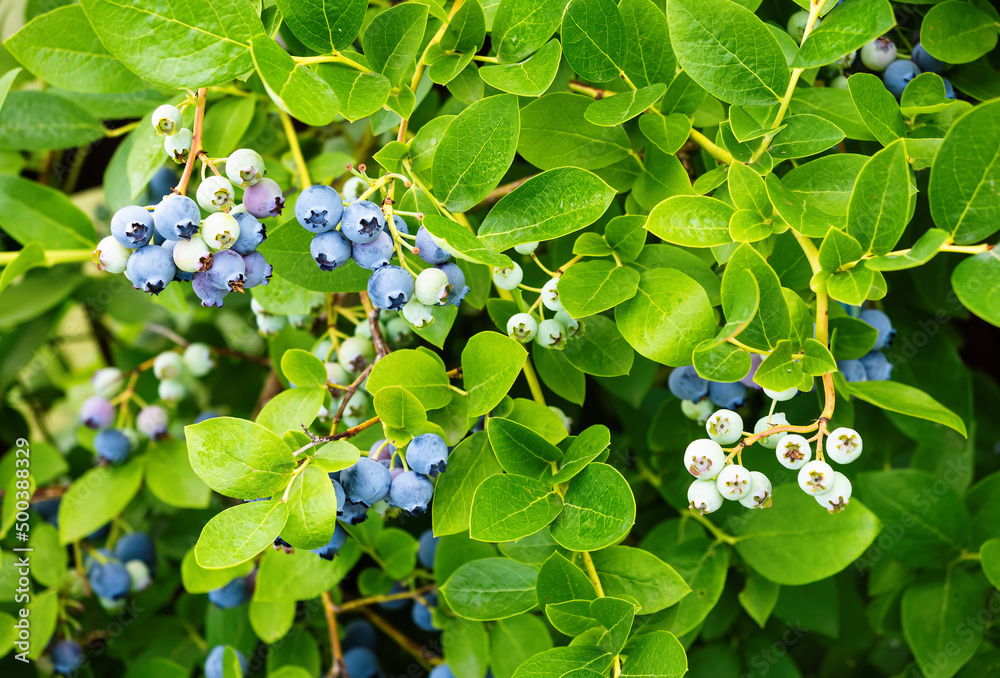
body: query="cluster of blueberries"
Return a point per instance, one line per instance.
(549, 333)
(880, 56)
(358, 230)
(114, 445)
(171, 241)
(874, 366)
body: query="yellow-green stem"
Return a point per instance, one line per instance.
(293, 145)
(720, 154)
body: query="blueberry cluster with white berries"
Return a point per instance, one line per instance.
(171, 241)
(718, 478)
(552, 333)
(358, 229)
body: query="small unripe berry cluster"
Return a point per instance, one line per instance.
(550, 333)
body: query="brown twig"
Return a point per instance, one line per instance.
(358, 603)
(348, 394)
(337, 667)
(381, 347)
(199, 119)
(424, 657)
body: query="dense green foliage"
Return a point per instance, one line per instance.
(660, 209)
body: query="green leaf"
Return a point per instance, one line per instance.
(197, 579)
(667, 133)
(598, 510)
(747, 190)
(43, 610)
(593, 37)
(171, 479)
(649, 58)
(758, 598)
(490, 364)
(880, 205)
(728, 51)
(530, 77)
(838, 248)
(82, 510)
(927, 95)
(975, 280)
(555, 133)
(513, 641)
(176, 44)
(586, 447)
(294, 88)
(574, 661)
(522, 451)
(271, 621)
(622, 107)
(594, 286)
(419, 372)
(5, 83)
(964, 169)
(797, 542)
(804, 135)
(31, 256)
(467, 29)
(491, 588)
(657, 655)
(835, 105)
(312, 510)
(922, 251)
(722, 362)
(302, 368)
(826, 183)
(300, 575)
(599, 349)
(847, 28)
(360, 94)
(469, 465)
(626, 235)
(691, 221)
(937, 616)
(625, 571)
(239, 458)
(936, 531)
(324, 25)
(779, 371)
(616, 616)
(958, 32)
(663, 176)
(546, 207)
(61, 48)
(239, 533)
(392, 39)
(38, 121)
(225, 124)
(287, 250)
(989, 555)
(703, 565)
(521, 27)
(466, 644)
(479, 145)
(508, 507)
(399, 408)
(292, 409)
(907, 400)
(669, 315)
(559, 374)
(48, 559)
(560, 581)
(335, 455)
(771, 322)
(463, 243)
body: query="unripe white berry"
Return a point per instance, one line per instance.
(215, 193)
(839, 496)
(178, 146)
(111, 256)
(509, 277)
(782, 396)
(192, 255)
(843, 445)
(526, 248)
(704, 458)
(724, 427)
(704, 497)
(245, 167)
(697, 411)
(220, 230)
(167, 120)
(771, 441)
(816, 477)
(432, 287)
(550, 295)
(168, 365)
(522, 327)
(760, 495)
(551, 334)
(793, 452)
(171, 391)
(198, 359)
(734, 482)
(571, 324)
(417, 314)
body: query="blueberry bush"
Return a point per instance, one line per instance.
(510, 338)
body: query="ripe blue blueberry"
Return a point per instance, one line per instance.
(428, 249)
(206, 415)
(319, 208)
(97, 412)
(132, 226)
(67, 657)
(949, 93)
(178, 146)
(359, 633)
(209, 294)
(411, 492)
(400, 224)
(878, 54)
(876, 366)
(215, 193)
(390, 287)
(354, 513)
(395, 604)
(110, 580)
(338, 491)
(728, 396)
(213, 665)
(362, 221)
(112, 445)
(252, 233)
(685, 384)
(374, 254)
(152, 421)
(441, 671)
(150, 269)
(898, 75)
(233, 594)
(427, 548)
(111, 256)
(161, 183)
(456, 278)
(166, 119)
(423, 615)
(427, 454)
(366, 482)
(48, 509)
(136, 546)
(432, 287)
(176, 217)
(853, 370)
(361, 662)
(244, 167)
(264, 199)
(330, 250)
(880, 321)
(926, 63)
(337, 541)
(228, 271)
(258, 271)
